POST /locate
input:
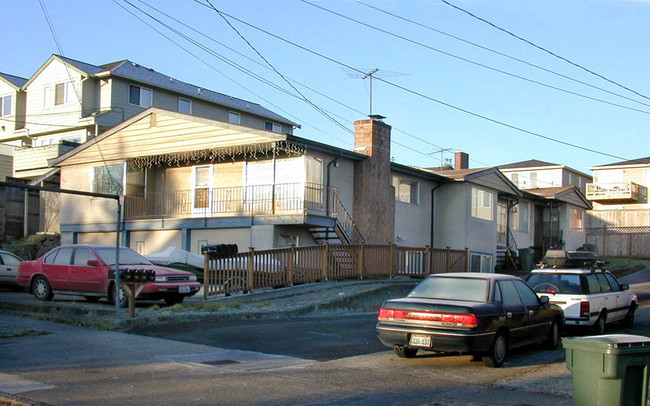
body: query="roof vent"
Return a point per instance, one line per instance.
(198, 90)
(134, 64)
(150, 69)
(171, 79)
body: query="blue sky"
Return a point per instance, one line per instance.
(433, 101)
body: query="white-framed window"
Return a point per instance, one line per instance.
(406, 191)
(63, 93)
(575, 218)
(184, 106)
(5, 106)
(234, 118)
(514, 178)
(277, 128)
(108, 179)
(140, 96)
(480, 262)
(482, 204)
(521, 217)
(47, 96)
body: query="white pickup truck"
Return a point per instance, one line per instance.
(590, 296)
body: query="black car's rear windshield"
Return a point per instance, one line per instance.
(449, 288)
(555, 283)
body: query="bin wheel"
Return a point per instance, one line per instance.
(601, 324)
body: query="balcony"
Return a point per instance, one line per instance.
(613, 193)
(32, 162)
(261, 200)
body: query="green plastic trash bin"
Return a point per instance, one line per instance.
(526, 259)
(608, 369)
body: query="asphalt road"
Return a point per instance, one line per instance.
(314, 338)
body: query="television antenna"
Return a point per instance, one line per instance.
(370, 74)
(441, 151)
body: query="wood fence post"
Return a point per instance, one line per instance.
(427, 260)
(251, 265)
(290, 260)
(206, 275)
(391, 260)
(324, 259)
(360, 260)
(604, 241)
(448, 259)
(467, 259)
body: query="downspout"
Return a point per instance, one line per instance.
(433, 205)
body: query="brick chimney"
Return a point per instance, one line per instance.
(461, 160)
(374, 194)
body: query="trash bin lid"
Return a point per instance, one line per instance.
(610, 344)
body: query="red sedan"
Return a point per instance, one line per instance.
(87, 270)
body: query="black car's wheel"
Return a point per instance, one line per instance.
(92, 299)
(124, 299)
(172, 300)
(553, 339)
(405, 352)
(497, 355)
(601, 324)
(41, 288)
(628, 321)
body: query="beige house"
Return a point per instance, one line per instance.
(619, 194)
(67, 102)
(534, 174)
(12, 116)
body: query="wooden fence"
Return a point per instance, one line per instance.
(288, 266)
(631, 242)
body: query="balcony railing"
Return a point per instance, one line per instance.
(613, 192)
(278, 199)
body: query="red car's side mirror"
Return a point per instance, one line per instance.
(93, 262)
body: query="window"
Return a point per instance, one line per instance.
(8, 259)
(140, 96)
(46, 96)
(526, 293)
(481, 263)
(533, 180)
(521, 217)
(5, 106)
(406, 191)
(234, 118)
(482, 204)
(136, 181)
(273, 127)
(184, 106)
(576, 218)
(82, 256)
(514, 178)
(63, 93)
(108, 179)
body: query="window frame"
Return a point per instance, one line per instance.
(189, 102)
(485, 195)
(414, 190)
(140, 91)
(4, 104)
(276, 128)
(94, 184)
(231, 115)
(68, 90)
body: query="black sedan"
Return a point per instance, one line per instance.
(473, 313)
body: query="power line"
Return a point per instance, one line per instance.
(278, 72)
(491, 120)
(449, 54)
(501, 53)
(546, 50)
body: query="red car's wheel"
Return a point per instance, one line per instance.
(41, 288)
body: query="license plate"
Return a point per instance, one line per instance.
(183, 289)
(418, 340)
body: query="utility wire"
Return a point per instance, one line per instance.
(502, 54)
(321, 111)
(546, 50)
(474, 62)
(494, 121)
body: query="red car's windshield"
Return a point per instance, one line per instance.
(127, 256)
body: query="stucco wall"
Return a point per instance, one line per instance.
(149, 242)
(239, 236)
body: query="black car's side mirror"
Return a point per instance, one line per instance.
(93, 263)
(543, 299)
(625, 286)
